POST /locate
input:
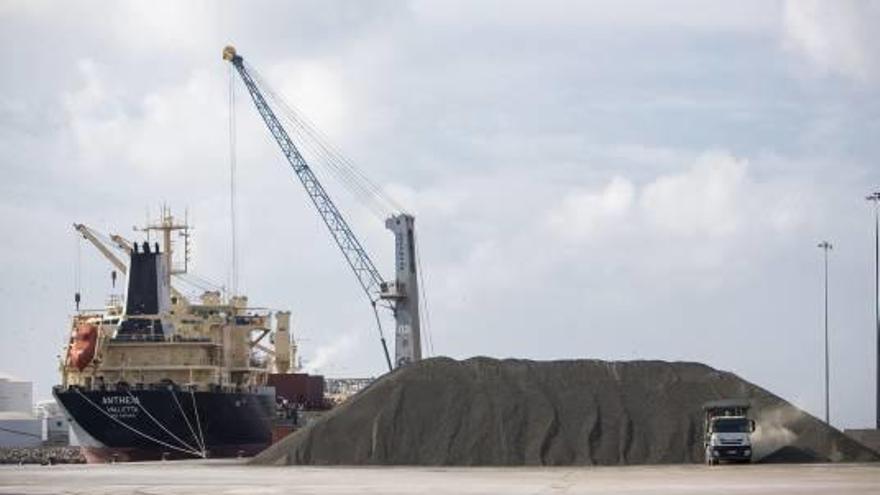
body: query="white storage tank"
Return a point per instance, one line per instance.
(19, 427)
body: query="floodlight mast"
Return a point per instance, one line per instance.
(874, 197)
(826, 246)
(402, 294)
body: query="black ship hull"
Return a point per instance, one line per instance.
(168, 423)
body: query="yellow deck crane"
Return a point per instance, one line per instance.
(121, 243)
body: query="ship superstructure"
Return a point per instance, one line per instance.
(157, 374)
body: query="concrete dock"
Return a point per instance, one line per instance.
(231, 477)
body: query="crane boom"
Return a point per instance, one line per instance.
(122, 242)
(369, 278)
(403, 293)
(90, 236)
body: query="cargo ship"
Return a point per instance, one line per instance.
(158, 374)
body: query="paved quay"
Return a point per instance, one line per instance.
(232, 477)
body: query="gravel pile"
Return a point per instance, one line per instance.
(41, 455)
(515, 412)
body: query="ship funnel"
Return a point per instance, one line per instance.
(147, 297)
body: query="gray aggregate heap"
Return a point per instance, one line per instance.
(41, 455)
(582, 412)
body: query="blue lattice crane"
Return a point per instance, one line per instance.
(402, 295)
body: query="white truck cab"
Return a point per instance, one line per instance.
(727, 433)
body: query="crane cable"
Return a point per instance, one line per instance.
(232, 165)
(199, 281)
(196, 282)
(429, 341)
(382, 337)
(314, 138)
(77, 271)
(320, 155)
(316, 143)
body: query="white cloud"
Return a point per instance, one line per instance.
(836, 37)
(163, 26)
(706, 200)
(437, 201)
(160, 133)
(13, 7)
(582, 213)
(642, 14)
(715, 197)
(315, 88)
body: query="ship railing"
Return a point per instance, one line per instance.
(179, 338)
(123, 386)
(136, 337)
(159, 338)
(113, 301)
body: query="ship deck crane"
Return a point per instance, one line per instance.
(401, 295)
(122, 243)
(92, 236)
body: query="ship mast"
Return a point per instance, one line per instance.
(166, 225)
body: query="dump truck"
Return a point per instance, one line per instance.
(727, 431)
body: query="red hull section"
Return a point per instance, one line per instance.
(299, 388)
(281, 431)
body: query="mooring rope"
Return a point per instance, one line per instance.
(166, 430)
(131, 428)
(198, 421)
(188, 424)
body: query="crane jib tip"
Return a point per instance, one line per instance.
(229, 53)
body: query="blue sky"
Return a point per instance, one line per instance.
(590, 179)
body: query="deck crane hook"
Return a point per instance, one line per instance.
(402, 295)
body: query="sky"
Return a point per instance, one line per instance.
(609, 180)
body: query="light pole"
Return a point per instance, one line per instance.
(875, 198)
(826, 246)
